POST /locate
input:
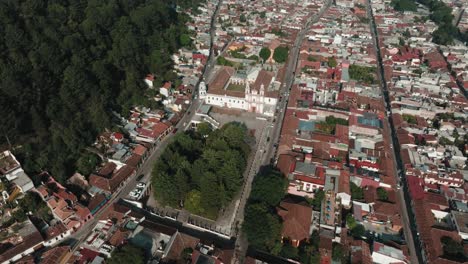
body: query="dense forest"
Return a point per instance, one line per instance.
(202, 171)
(441, 14)
(66, 64)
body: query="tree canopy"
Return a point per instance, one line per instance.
(404, 5)
(265, 53)
(357, 193)
(332, 62)
(362, 73)
(67, 64)
(382, 194)
(261, 223)
(442, 15)
(453, 249)
(280, 54)
(202, 172)
(127, 254)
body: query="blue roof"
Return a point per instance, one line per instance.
(306, 125)
(130, 126)
(374, 122)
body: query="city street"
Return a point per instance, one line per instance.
(266, 150)
(409, 229)
(289, 81)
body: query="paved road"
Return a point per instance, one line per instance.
(265, 150)
(289, 81)
(417, 254)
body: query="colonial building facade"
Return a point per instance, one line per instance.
(256, 92)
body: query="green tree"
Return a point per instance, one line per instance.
(269, 187)
(204, 129)
(382, 194)
(242, 18)
(185, 40)
(87, 163)
(445, 141)
(202, 171)
(404, 5)
(362, 73)
(261, 226)
(280, 54)
(318, 198)
(261, 223)
(127, 254)
(332, 62)
(73, 75)
(453, 249)
(357, 193)
(338, 252)
(223, 61)
(350, 221)
(288, 251)
(358, 231)
(265, 53)
(401, 42)
(186, 254)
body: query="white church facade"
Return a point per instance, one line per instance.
(256, 92)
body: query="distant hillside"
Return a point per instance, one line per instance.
(66, 64)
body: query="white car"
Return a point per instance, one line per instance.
(141, 185)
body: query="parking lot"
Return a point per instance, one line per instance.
(138, 192)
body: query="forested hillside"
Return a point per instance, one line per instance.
(66, 63)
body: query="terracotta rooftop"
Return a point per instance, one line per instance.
(296, 219)
(221, 79)
(54, 255)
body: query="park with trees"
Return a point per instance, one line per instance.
(363, 74)
(66, 65)
(202, 171)
(127, 254)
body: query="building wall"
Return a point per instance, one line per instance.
(251, 102)
(226, 101)
(57, 239)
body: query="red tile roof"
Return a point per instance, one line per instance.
(55, 230)
(133, 161)
(82, 212)
(55, 255)
(286, 163)
(296, 220)
(415, 185)
(139, 150)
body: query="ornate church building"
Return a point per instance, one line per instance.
(255, 91)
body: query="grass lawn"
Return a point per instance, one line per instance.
(236, 87)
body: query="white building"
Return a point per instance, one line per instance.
(384, 254)
(257, 95)
(12, 171)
